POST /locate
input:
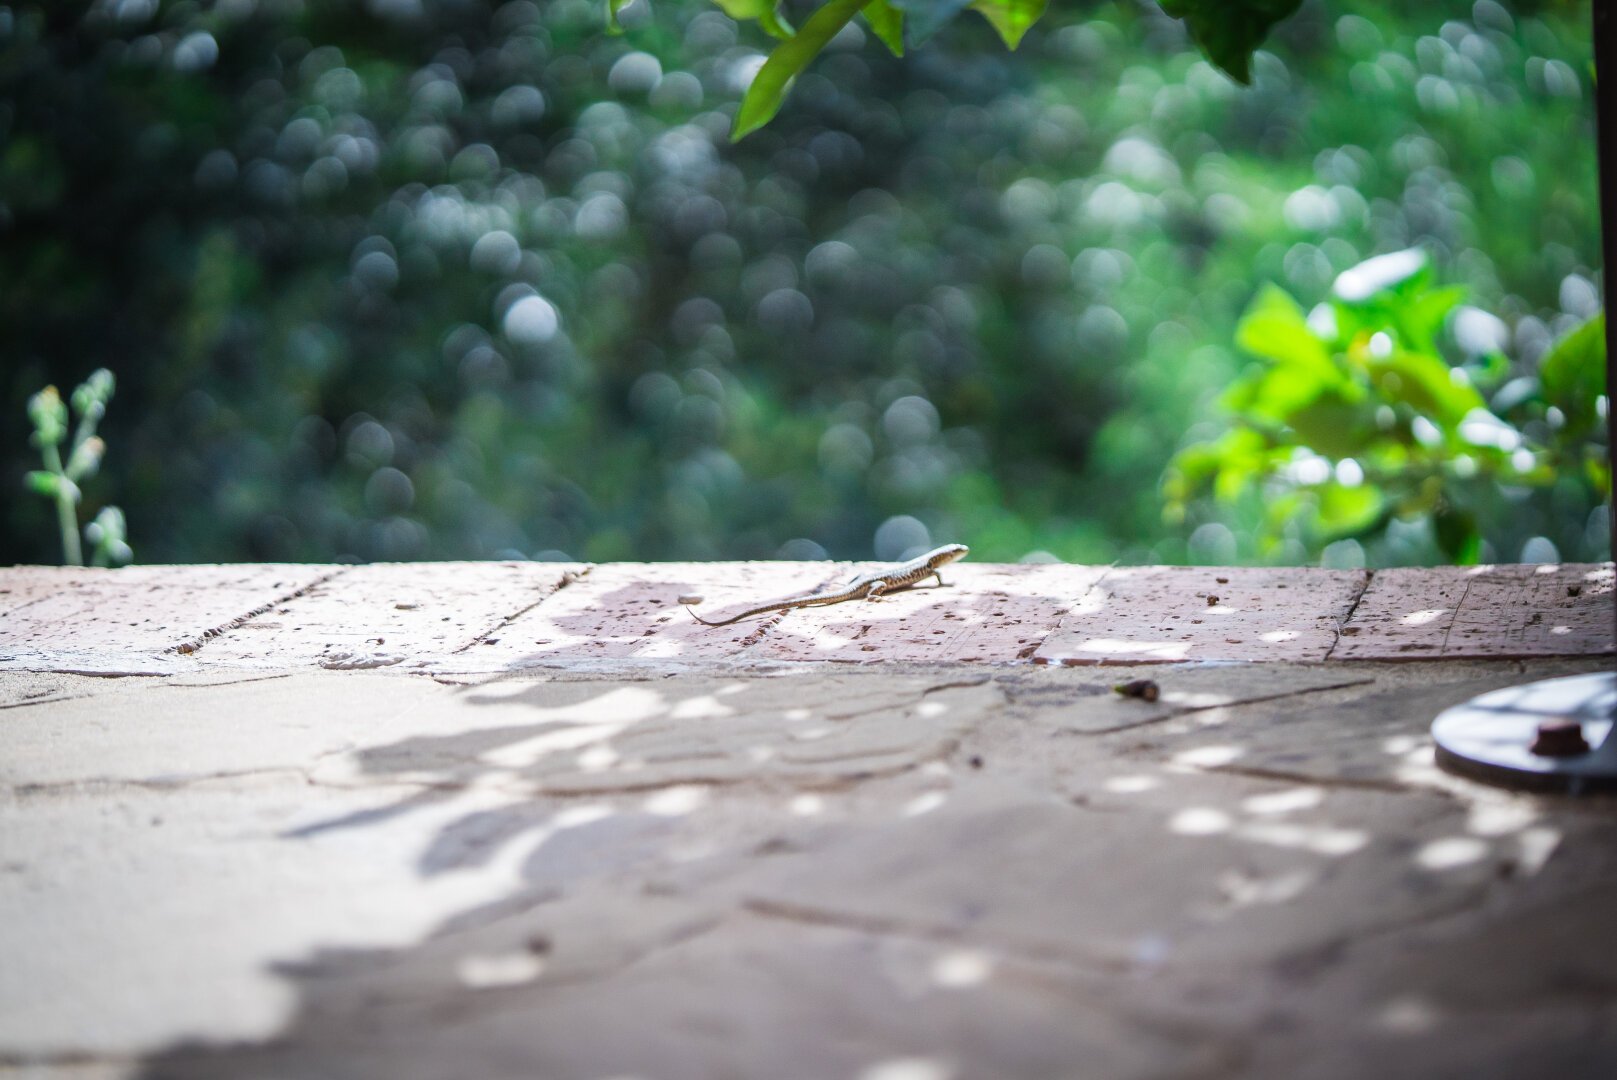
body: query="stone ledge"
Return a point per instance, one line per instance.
(492, 617)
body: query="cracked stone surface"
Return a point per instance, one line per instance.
(693, 854)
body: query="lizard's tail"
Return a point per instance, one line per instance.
(707, 622)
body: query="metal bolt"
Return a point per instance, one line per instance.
(1560, 738)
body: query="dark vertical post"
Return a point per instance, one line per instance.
(1606, 122)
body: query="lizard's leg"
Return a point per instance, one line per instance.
(876, 589)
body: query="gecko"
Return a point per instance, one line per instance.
(865, 587)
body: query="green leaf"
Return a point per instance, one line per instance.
(768, 89)
(1347, 511)
(1331, 426)
(1425, 384)
(1275, 329)
(612, 9)
(1228, 32)
(1573, 373)
(766, 13)
(43, 483)
(1011, 18)
(887, 23)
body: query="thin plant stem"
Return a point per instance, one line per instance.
(66, 513)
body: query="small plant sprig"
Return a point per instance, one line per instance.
(60, 482)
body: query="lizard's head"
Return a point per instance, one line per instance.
(946, 554)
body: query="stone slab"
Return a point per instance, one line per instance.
(1485, 611)
(142, 618)
(834, 871)
(986, 613)
(1168, 614)
(410, 614)
(621, 611)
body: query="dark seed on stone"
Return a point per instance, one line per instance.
(1144, 689)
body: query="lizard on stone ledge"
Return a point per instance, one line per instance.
(865, 587)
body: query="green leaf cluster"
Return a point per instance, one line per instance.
(1228, 32)
(1349, 417)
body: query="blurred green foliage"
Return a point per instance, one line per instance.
(1352, 424)
(442, 278)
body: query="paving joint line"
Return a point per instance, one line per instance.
(1347, 620)
(568, 577)
(194, 645)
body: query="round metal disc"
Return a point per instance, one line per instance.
(1490, 737)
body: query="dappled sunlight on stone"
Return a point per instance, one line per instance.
(1408, 1015)
(1157, 614)
(677, 801)
(1283, 802)
(806, 805)
(588, 722)
(1320, 839)
(704, 707)
(1242, 889)
(909, 1068)
(1496, 610)
(1500, 818)
(1206, 757)
(987, 613)
(924, 804)
(961, 969)
(1449, 852)
(1534, 848)
(1200, 821)
(482, 972)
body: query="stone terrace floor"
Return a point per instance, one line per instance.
(495, 820)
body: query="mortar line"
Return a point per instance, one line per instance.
(1455, 617)
(194, 645)
(568, 577)
(1353, 609)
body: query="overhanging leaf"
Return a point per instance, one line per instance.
(1230, 31)
(768, 89)
(1011, 18)
(887, 23)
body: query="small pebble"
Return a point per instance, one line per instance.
(690, 598)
